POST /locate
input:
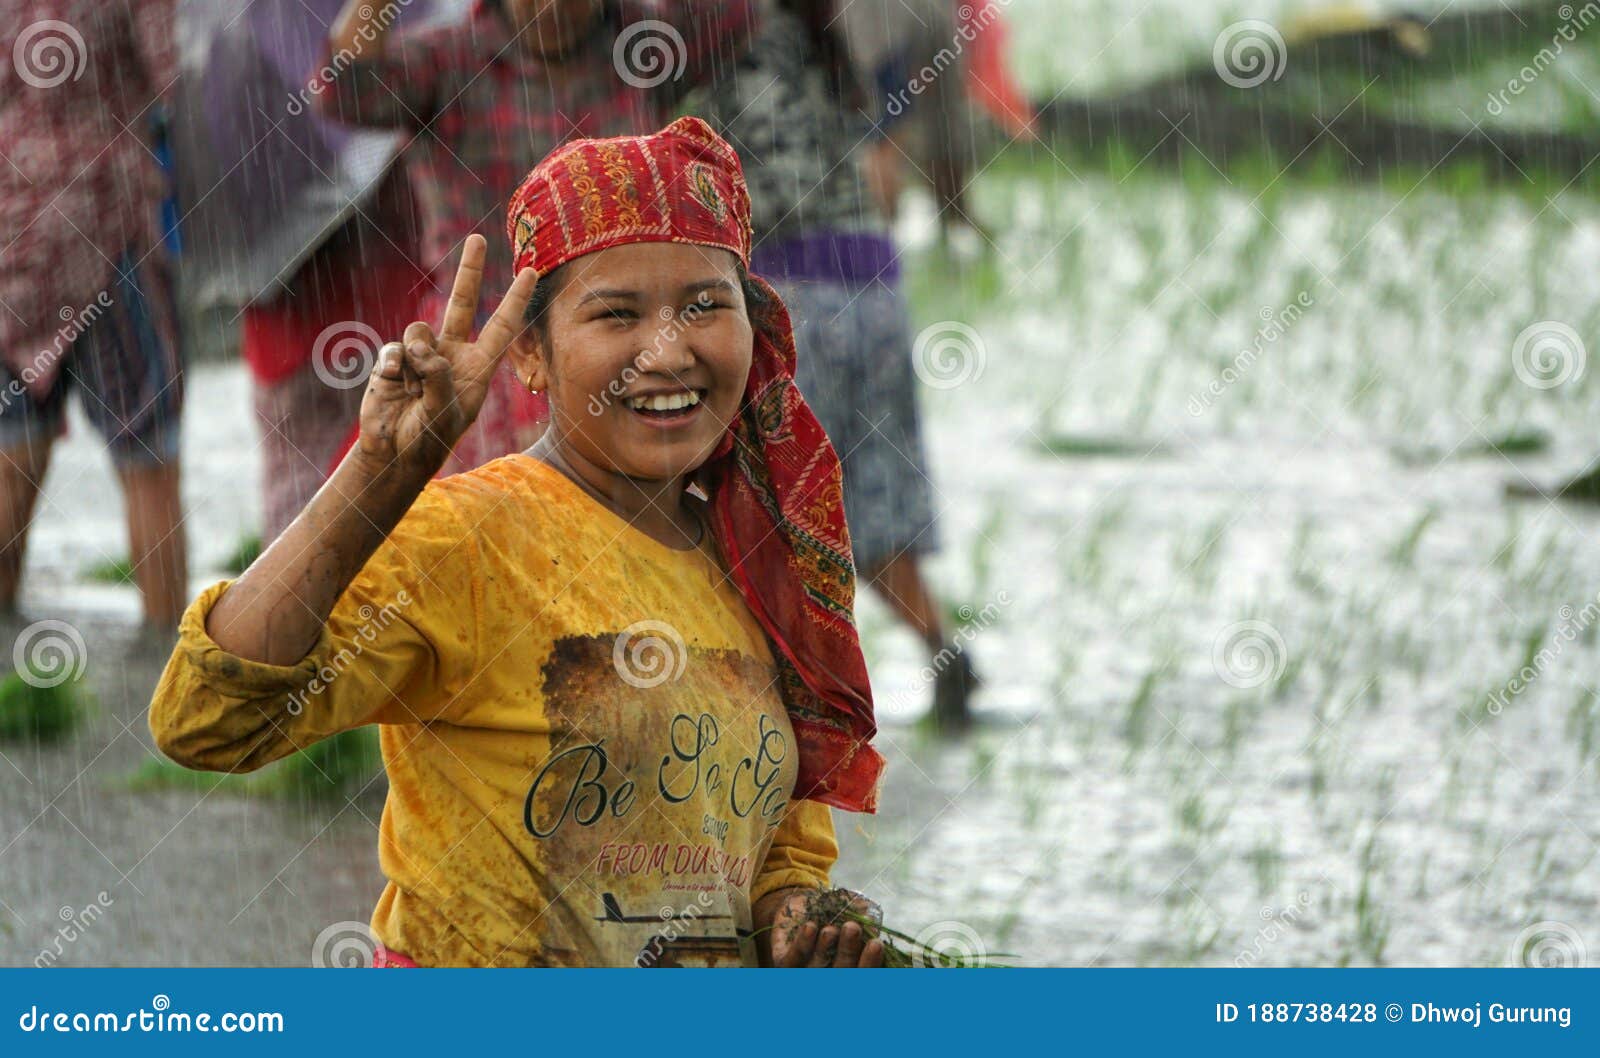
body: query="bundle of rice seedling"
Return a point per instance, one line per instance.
(951, 946)
(39, 709)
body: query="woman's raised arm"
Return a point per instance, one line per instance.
(422, 396)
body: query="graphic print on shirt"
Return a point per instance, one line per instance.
(656, 804)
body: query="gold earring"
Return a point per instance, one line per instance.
(529, 384)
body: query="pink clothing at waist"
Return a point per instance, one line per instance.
(384, 959)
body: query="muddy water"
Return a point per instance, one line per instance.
(1289, 679)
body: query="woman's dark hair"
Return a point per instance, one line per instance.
(828, 47)
(758, 303)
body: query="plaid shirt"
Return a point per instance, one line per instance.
(78, 184)
(485, 111)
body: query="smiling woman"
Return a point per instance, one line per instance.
(619, 686)
(665, 338)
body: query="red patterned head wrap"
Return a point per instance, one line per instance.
(776, 490)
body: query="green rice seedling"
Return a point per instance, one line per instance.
(1581, 721)
(1420, 888)
(1198, 931)
(1284, 682)
(1198, 558)
(980, 762)
(1088, 446)
(159, 775)
(1383, 791)
(1145, 399)
(1486, 705)
(1136, 715)
(111, 571)
(1404, 551)
(1238, 718)
(1371, 922)
(1544, 866)
(1450, 793)
(246, 551)
(1477, 709)
(1527, 440)
(40, 710)
(1265, 858)
(1046, 867)
(334, 767)
(1195, 817)
(1086, 567)
(1304, 571)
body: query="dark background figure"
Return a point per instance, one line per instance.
(85, 281)
(912, 62)
(301, 229)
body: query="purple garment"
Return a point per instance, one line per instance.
(852, 258)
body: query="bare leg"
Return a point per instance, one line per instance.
(156, 541)
(900, 584)
(22, 471)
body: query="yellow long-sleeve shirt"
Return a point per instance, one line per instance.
(589, 762)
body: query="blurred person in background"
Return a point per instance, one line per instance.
(489, 97)
(299, 229)
(793, 108)
(916, 98)
(296, 346)
(86, 295)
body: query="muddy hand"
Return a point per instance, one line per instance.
(799, 940)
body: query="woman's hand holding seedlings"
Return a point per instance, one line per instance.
(798, 938)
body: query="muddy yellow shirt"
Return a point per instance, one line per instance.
(588, 759)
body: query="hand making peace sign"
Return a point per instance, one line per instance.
(425, 391)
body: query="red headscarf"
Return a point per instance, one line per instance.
(776, 490)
